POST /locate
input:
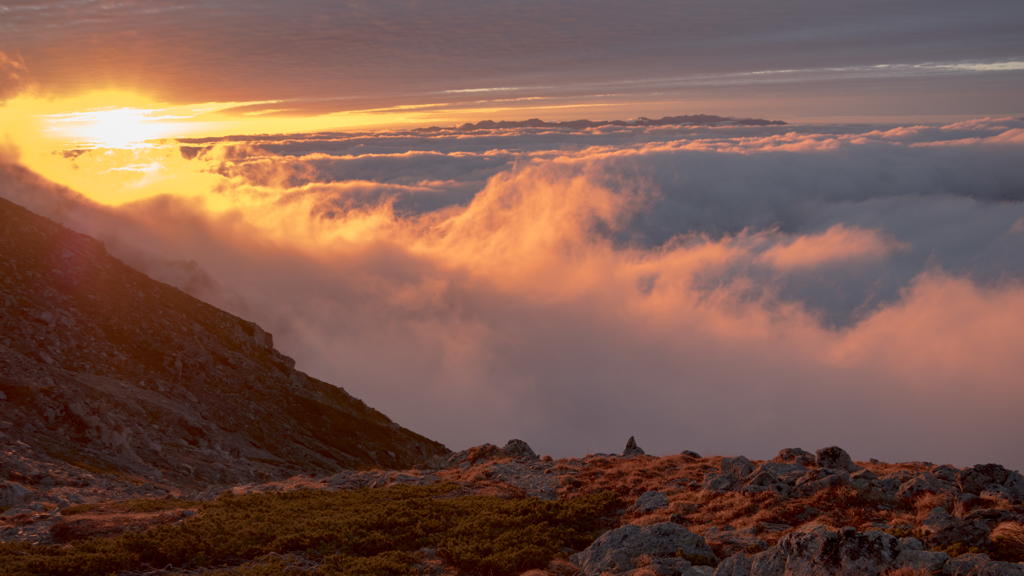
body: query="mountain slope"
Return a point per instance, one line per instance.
(103, 367)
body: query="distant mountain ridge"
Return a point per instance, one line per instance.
(108, 370)
(686, 120)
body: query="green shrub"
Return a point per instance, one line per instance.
(370, 531)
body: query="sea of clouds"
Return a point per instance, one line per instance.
(729, 290)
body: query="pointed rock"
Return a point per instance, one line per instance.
(632, 449)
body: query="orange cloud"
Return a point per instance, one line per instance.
(837, 244)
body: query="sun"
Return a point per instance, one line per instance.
(112, 127)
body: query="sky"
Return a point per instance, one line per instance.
(854, 277)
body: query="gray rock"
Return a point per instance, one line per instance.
(1015, 484)
(945, 473)
(771, 562)
(735, 565)
(770, 473)
(717, 482)
(925, 560)
(818, 550)
(795, 455)
(649, 502)
(998, 492)
(735, 541)
(668, 567)
(617, 550)
(911, 543)
(821, 479)
(632, 449)
(836, 458)
(691, 454)
(980, 565)
(737, 468)
(939, 519)
(970, 532)
(976, 478)
(519, 449)
(889, 484)
(923, 482)
(12, 494)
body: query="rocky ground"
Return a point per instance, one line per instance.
(799, 513)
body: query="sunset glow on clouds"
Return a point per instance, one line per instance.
(730, 289)
(720, 289)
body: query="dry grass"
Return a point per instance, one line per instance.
(885, 468)
(924, 503)
(1010, 532)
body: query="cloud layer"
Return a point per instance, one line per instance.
(795, 57)
(725, 290)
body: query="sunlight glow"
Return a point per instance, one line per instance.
(114, 127)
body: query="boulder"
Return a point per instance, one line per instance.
(980, 565)
(691, 454)
(939, 519)
(818, 550)
(619, 550)
(819, 479)
(649, 502)
(632, 449)
(12, 494)
(732, 542)
(998, 492)
(921, 560)
(519, 449)
(735, 565)
(836, 458)
(972, 532)
(737, 468)
(795, 455)
(770, 473)
(976, 478)
(920, 483)
(945, 473)
(889, 485)
(1015, 484)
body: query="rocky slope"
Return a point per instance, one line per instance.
(109, 377)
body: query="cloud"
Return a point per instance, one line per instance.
(329, 57)
(837, 244)
(727, 290)
(13, 76)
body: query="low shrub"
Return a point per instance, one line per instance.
(369, 531)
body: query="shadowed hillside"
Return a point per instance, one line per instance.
(106, 369)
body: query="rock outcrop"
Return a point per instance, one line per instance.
(665, 548)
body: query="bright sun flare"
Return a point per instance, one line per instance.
(112, 128)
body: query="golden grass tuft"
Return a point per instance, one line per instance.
(1010, 532)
